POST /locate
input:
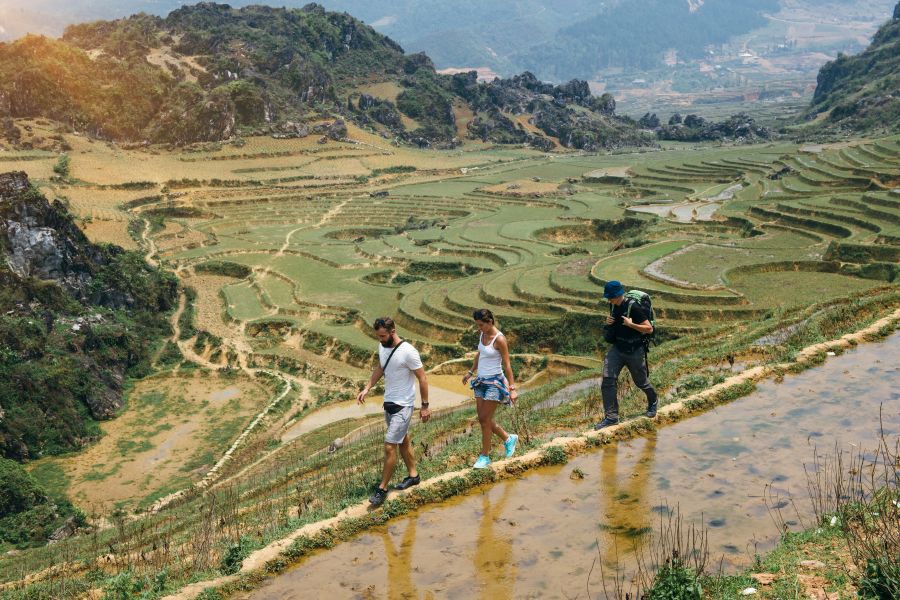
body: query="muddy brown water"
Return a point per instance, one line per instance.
(538, 536)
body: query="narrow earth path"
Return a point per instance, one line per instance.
(572, 444)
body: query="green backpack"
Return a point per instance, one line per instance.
(642, 298)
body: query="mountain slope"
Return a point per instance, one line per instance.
(208, 72)
(637, 34)
(196, 75)
(74, 318)
(862, 92)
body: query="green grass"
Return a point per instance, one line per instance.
(347, 258)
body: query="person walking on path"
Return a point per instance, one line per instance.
(626, 326)
(490, 385)
(400, 364)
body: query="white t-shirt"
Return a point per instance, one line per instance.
(399, 379)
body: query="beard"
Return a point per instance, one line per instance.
(388, 344)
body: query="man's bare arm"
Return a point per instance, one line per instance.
(377, 372)
(425, 412)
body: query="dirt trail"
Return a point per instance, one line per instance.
(332, 213)
(241, 348)
(513, 467)
(176, 328)
(150, 245)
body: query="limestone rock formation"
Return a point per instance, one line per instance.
(74, 318)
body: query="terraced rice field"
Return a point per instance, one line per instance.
(331, 242)
(294, 247)
(508, 233)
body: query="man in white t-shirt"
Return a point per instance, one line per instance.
(401, 365)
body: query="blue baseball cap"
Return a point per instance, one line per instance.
(613, 289)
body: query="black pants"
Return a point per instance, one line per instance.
(612, 366)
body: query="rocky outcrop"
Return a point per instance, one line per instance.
(740, 127)
(41, 241)
(495, 127)
(74, 318)
(583, 130)
(378, 110)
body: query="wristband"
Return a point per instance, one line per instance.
(471, 372)
(424, 405)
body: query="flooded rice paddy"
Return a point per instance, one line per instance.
(538, 536)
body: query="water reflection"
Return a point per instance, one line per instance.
(537, 537)
(493, 554)
(628, 516)
(400, 566)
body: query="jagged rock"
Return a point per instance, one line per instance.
(41, 241)
(575, 91)
(67, 530)
(290, 130)
(417, 61)
(337, 130)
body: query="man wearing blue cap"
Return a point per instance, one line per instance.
(626, 326)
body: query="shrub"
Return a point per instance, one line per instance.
(234, 556)
(674, 581)
(61, 167)
(554, 455)
(19, 491)
(225, 268)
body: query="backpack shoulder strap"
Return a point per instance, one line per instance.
(391, 355)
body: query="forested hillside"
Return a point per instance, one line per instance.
(860, 92)
(637, 34)
(209, 72)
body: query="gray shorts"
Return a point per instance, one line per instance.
(397, 425)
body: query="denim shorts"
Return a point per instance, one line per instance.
(492, 388)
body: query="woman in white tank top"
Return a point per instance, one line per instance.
(493, 384)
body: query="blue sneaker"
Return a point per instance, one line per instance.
(483, 462)
(510, 444)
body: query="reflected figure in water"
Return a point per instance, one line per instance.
(400, 565)
(626, 510)
(493, 558)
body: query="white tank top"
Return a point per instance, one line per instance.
(489, 360)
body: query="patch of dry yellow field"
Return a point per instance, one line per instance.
(209, 307)
(163, 57)
(36, 169)
(523, 187)
(464, 116)
(623, 171)
(102, 231)
(386, 90)
(168, 423)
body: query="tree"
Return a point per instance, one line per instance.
(694, 121)
(19, 491)
(649, 121)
